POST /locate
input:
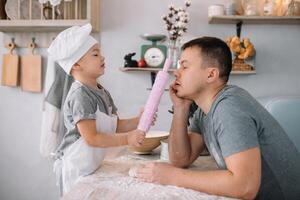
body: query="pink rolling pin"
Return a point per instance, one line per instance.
(154, 97)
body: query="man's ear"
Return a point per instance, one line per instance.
(212, 74)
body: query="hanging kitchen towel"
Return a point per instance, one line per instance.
(57, 95)
(57, 85)
(50, 116)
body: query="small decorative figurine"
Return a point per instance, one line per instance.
(129, 62)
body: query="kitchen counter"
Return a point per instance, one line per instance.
(111, 181)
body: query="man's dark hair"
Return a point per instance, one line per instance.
(214, 52)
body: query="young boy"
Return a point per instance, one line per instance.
(90, 115)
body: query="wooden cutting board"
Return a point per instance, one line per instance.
(10, 68)
(31, 71)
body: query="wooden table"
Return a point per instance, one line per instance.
(111, 181)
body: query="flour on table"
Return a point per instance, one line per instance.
(133, 172)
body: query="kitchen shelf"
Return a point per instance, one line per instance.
(234, 19)
(166, 89)
(243, 72)
(155, 70)
(128, 69)
(88, 13)
(147, 69)
(38, 25)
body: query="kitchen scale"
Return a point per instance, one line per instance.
(154, 54)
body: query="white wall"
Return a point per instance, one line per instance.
(26, 175)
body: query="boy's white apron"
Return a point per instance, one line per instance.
(80, 159)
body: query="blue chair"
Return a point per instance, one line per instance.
(286, 110)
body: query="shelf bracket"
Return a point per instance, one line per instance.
(239, 28)
(153, 76)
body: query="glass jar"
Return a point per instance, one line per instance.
(297, 8)
(293, 9)
(230, 7)
(174, 52)
(268, 7)
(250, 7)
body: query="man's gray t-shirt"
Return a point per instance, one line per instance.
(237, 122)
(82, 103)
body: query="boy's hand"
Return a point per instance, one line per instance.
(136, 138)
(178, 101)
(141, 113)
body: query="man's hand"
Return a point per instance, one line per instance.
(178, 101)
(135, 138)
(157, 172)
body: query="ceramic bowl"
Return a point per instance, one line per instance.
(151, 142)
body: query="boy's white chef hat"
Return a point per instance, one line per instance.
(70, 45)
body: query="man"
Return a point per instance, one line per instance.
(256, 159)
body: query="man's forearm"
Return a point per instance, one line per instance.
(125, 125)
(219, 182)
(179, 144)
